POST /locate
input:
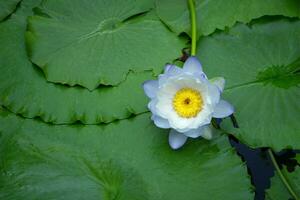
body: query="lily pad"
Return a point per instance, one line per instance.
(7, 7)
(219, 14)
(24, 90)
(130, 159)
(96, 42)
(279, 191)
(261, 66)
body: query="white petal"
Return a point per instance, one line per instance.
(223, 109)
(203, 118)
(192, 65)
(194, 133)
(189, 81)
(160, 122)
(150, 88)
(176, 140)
(164, 107)
(219, 82)
(206, 133)
(169, 89)
(164, 98)
(181, 124)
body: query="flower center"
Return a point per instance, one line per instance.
(187, 102)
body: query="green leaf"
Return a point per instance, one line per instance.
(278, 190)
(219, 14)
(24, 90)
(130, 159)
(261, 67)
(7, 7)
(96, 42)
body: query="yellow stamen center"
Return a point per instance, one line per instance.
(187, 102)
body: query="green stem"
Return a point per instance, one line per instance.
(193, 26)
(282, 177)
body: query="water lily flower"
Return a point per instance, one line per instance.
(185, 101)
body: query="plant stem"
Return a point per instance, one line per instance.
(282, 177)
(193, 26)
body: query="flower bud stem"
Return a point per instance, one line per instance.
(193, 26)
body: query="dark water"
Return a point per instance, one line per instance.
(260, 166)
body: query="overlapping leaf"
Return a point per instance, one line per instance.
(96, 42)
(24, 90)
(125, 160)
(261, 66)
(7, 7)
(219, 14)
(279, 191)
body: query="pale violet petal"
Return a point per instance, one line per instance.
(176, 140)
(214, 94)
(200, 75)
(152, 106)
(160, 122)
(207, 133)
(194, 133)
(172, 70)
(168, 67)
(150, 88)
(192, 65)
(219, 82)
(162, 79)
(223, 109)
